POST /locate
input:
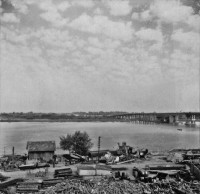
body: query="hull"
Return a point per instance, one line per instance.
(166, 167)
(43, 165)
(27, 167)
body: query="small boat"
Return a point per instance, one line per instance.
(27, 166)
(179, 129)
(165, 167)
(42, 165)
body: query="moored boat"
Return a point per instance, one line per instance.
(27, 166)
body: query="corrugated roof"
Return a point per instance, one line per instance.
(41, 146)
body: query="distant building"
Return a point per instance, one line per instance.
(41, 150)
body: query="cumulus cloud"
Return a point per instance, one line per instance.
(54, 17)
(83, 3)
(20, 6)
(143, 16)
(98, 11)
(118, 7)
(10, 18)
(103, 25)
(13, 36)
(51, 11)
(93, 54)
(105, 43)
(170, 11)
(63, 6)
(150, 35)
(188, 40)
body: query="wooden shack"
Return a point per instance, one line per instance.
(41, 150)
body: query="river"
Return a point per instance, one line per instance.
(153, 137)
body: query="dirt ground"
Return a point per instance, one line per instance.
(30, 174)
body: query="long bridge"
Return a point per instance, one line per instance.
(188, 118)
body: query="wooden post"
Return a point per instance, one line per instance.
(13, 152)
(99, 144)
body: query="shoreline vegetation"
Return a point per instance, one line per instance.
(61, 120)
(60, 117)
(113, 116)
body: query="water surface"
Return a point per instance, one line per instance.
(154, 137)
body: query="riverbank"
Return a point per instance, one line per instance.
(32, 174)
(136, 177)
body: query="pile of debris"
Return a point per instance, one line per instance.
(111, 186)
(94, 186)
(124, 154)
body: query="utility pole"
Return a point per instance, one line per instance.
(13, 152)
(99, 145)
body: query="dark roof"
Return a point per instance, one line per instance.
(41, 146)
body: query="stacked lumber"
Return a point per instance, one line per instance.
(51, 182)
(28, 187)
(10, 182)
(63, 172)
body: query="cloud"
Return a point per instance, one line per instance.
(52, 12)
(105, 43)
(95, 55)
(189, 40)
(63, 6)
(13, 36)
(103, 25)
(21, 6)
(143, 16)
(94, 51)
(118, 7)
(83, 3)
(98, 11)
(10, 18)
(56, 38)
(171, 11)
(55, 18)
(148, 34)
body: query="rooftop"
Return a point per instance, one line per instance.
(41, 146)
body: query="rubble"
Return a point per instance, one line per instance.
(110, 186)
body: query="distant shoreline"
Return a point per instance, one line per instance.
(60, 120)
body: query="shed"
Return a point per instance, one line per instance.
(41, 150)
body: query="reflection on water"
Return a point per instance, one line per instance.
(154, 137)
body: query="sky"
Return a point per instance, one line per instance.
(99, 55)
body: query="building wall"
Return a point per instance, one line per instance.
(44, 155)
